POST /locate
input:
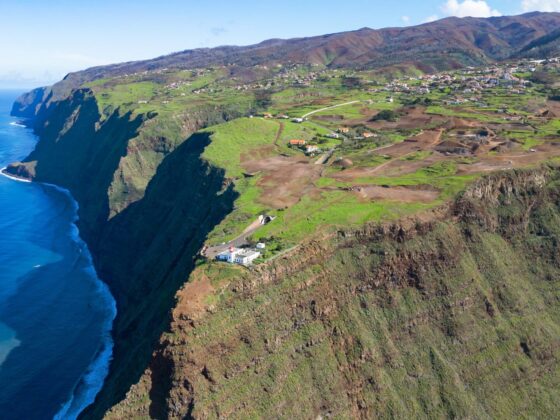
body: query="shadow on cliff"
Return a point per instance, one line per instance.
(81, 154)
(146, 253)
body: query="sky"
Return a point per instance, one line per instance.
(42, 40)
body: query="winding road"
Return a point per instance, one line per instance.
(327, 108)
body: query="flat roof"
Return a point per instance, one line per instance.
(248, 253)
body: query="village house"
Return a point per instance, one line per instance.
(312, 149)
(343, 130)
(368, 134)
(297, 142)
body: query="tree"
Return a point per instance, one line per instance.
(263, 99)
(386, 115)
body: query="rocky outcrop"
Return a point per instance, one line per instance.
(455, 316)
(29, 104)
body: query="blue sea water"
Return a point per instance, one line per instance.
(55, 314)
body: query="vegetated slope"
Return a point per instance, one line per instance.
(444, 44)
(546, 46)
(147, 202)
(456, 317)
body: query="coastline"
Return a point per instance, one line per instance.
(4, 172)
(91, 381)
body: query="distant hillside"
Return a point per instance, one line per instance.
(546, 46)
(444, 44)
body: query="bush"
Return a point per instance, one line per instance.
(386, 115)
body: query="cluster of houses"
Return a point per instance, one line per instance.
(309, 149)
(241, 256)
(346, 132)
(470, 81)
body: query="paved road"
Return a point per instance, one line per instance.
(212, 251)
(324, 157)
(327, 108)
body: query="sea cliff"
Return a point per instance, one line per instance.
(146, 204)
(451, 314)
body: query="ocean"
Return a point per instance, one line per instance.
(55, 313)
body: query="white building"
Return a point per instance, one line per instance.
(229, 255)
(312, 149)
(247, 257)
(238, 256)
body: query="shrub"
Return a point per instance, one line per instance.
(386, 115)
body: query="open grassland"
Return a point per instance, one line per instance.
(230, 141)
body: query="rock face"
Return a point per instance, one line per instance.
(21, 170)
(146, 204)
(455, 318)
(29, 104)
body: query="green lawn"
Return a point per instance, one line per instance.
(337, 208)
(232, 139)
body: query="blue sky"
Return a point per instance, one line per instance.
(44, 40)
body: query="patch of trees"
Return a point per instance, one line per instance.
(386, 115)
(263, 99)
(351, 82)
(543, 77)
(419, 101)
(554, 95)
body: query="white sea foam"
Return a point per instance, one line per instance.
(92, 379)
(14, 178)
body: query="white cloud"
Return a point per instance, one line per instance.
(77, 58)
(405, 19)
(431, 18)
(474, 8)
(541, 5)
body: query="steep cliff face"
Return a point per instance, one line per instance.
(455, 317)
(30, 103)
(147, 202)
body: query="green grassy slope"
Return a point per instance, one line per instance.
(436, 320)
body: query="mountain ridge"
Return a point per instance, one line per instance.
(445, 44)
